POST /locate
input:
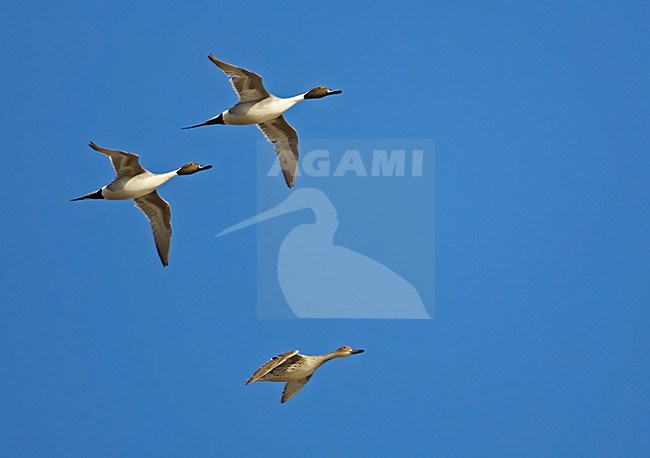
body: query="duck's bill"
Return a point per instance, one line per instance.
(354, 352)
(337, 91)
(204, 167)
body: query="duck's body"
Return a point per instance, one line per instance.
(295, 369)
(128, 188)
(259, 111)
(257, 106)
(133, 182)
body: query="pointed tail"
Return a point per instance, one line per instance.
(209, 122)
(92, 195)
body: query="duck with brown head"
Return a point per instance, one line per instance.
(132, 181)
(257, 106)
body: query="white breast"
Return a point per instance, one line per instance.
(259, 111)
(137, 186)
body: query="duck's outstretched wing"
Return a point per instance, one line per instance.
(159, 214)
(270, 365)
(125, 164)
(291, 388)
(247, 85)
(285, 141)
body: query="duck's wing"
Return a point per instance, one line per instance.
(291, 388)
(159, 214)
(270, 365)
(247, 85)
(285, 141)
(125, 164)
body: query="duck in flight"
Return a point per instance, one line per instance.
(134, 182)
(295, 369)
(257, 106)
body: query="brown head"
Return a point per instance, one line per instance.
(319, 92)
(192, 167)
(344, 351)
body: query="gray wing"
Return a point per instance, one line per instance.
(270, 365)
(285, 141)
(247, 85)
(125, 164)
(159, 214)
(291, 388)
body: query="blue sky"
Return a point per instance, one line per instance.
(540, 343)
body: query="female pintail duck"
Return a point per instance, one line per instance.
(134, 182)
(295, 369)
(257, 106)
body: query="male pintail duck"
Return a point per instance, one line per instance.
(295, 369)
(257, 106)
(134, 182)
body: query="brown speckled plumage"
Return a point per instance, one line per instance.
(295, 369)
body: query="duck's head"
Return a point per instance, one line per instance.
(344, 351)
(319, 92)
(192, 167)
